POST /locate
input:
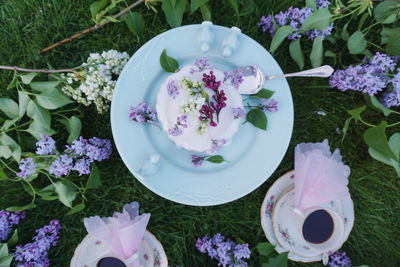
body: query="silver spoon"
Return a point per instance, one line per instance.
(254, 78)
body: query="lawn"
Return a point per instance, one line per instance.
(29, 25)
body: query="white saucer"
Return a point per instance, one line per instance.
(90, 251)
(286, 241)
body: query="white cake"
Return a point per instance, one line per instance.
(181, 97)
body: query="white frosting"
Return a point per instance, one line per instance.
(169, 109)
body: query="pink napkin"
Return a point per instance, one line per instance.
(123, 232)
(320, 176)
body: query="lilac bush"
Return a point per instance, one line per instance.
(7, 221)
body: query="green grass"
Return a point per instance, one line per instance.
(28, 25)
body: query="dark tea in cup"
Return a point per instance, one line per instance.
(110, 262)
(318, 227)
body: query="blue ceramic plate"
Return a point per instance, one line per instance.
(253, 154)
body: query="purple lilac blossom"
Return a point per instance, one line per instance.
(197, 160)
(391, 98)
(323, 3)
(318, 33)
(98, 149)
(172, 89)
(7, 221)
(270, 105)
(82, 166)
(267, 24)
(46, 146)
(27, 167)
(201, 65)
(177, 129)
(226, 252)
(339, 259)
(36, 254)
(217, 145)
(78, 147)
(238, 113)
(142, 113)
(61, 165)
(369, 77)
(235, 77)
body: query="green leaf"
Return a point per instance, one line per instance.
(27, 78)
(196, 4)
(311, 4)
(317, 52)
(44, 86)
(8, 123)
(257, 118)
(15, 148)
(168, 63)
(385, 12)
(23, 100)
(36, 129)
(329, 53)
(357, 43)
(345, 33)
(205, 13)
(21, 208)
(379, 157)
(387, 33)
(265, 249)
(52, 99)
(39, 114)
(362, 21)
(279, 36)
(394, 143)
(376, 139)
(5, 151)
(13, 239)
(94, 178)
(47, 191)
(74, 127)
(76, 209)
(396, 165)
(66, 192)
(3, 250)
(95, 8)
(6, 261)
(3, 175)
(13, 83)
(374, 103)
(9, 107)
(173, 10)
(356, 113)
(234, 4)
(135, 23)
(278, 261)
(346, 128)
(297, 53)
(393, 45)
(319, 20)
(264, 93)
(215, 159)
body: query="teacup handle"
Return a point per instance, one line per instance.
(325, 258)
(132, 259)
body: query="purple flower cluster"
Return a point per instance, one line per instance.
(172, 89)
(207, 113)
(36, 254)
(235, 77)
(177, 129)
(197, 160)
(27, 167)
(7, 221)
(219, 98)
(339, 259)
(270, 105)
(217, 145)
(46, 146)
(226, 252)
(142, 113)
(371, 77)
(238, 113)
(201, 65)
(80, 155)
(295, 17)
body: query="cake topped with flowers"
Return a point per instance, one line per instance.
(199, 107)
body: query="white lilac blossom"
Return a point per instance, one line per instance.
(270, 105)
(295, 17)
(371, 77)
(95, 80)
(238, 112)
(226, 252)
(194, 104)
(7, 221)
(36, 254)
(172, 89)
(201, 64)
(142, 113)
(27, 167)
(235, 77)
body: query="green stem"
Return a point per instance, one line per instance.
(377, 46)
(19, 126)
(6, 165)
(393, 124)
